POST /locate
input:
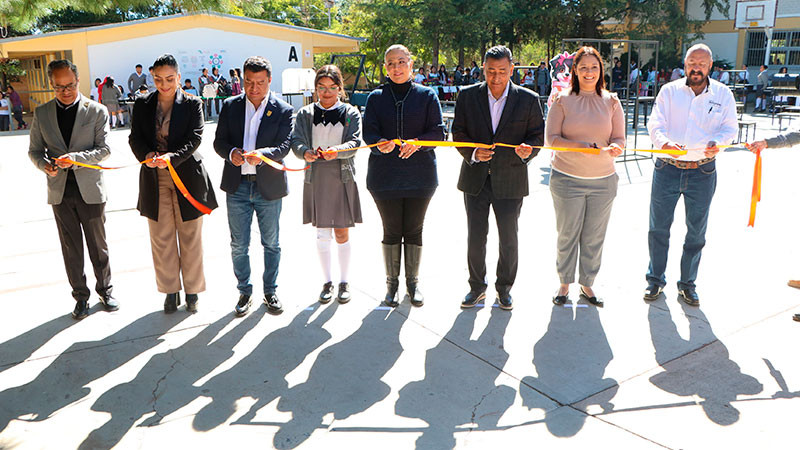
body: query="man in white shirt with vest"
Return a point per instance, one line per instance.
(694, 114)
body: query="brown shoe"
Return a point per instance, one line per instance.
(794, 283)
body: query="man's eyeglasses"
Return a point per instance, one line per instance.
(69, 87)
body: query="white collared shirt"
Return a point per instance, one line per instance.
(691, 120)
(496, 106)
(252, 121)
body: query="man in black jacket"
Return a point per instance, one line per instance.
(254, 121)
(495, 111)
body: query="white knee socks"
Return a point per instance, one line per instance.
(344, 260)
(113, 120)
(324, 251)
(758, 102)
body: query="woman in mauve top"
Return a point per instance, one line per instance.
(583, 185)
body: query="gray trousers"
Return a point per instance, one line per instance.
(583, 208)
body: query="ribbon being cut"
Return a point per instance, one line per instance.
(755, 197)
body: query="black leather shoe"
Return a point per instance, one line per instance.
(81, 310)
(344, 293)
(109, 302)
(273, 304)
(171, 302)
(593, 299)
(796, 317)
(191, 302)
(690, 297)
(472, 298)
(560, 299)
(652, 292)
(243, 306)
(505, 302)
(327, 293)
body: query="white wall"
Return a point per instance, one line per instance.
(786, 8)
(723, 45)
(194, 49)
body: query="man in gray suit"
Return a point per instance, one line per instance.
(495, 111)
(73, 127)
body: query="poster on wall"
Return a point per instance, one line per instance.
(194, 49)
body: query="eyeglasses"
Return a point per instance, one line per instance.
(325, 90)
(69, 87)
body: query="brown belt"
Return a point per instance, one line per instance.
(687, 164)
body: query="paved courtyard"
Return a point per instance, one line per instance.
(630, 375)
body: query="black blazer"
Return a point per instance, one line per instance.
(273, 138)
(521, 122)
(185, 134)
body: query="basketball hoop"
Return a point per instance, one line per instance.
(756, 14)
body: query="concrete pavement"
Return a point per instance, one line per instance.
(630, 375)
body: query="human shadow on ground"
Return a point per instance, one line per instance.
(570, 360)
(261, 374)
(345, 378)
(64, 381)
(460, 387)
(699, 366)
(19, 348)
(165, 383)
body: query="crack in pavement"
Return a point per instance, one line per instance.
(158, 384)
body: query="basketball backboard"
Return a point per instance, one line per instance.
(756, 13)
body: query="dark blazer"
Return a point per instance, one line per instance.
(273, 138)
(185, 134)
(521, 122)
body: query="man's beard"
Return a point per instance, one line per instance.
(691, 83)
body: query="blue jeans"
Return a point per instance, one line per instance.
(697, 186)
(241, 205)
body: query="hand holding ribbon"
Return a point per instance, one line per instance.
(523, 150)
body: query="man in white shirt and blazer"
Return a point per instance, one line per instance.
(695, 113)
(254, 120)
(74, 127)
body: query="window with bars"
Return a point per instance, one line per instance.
(784, 51)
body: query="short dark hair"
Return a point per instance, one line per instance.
(150, 68)
(257, 64)
(138, 66)
(143, 87)
(166, 60)
(61, 64)
(498, 52)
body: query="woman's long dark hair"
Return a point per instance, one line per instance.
(580, 54)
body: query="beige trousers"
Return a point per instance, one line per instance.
(177, 245)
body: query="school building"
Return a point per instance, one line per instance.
(197, 40)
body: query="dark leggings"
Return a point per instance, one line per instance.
(402, 219)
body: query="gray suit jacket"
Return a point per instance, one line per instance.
(87, 145)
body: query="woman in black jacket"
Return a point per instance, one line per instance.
(402, 178)
(169, 123)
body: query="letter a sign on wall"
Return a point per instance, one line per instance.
(292, 54)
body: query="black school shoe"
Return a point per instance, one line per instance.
(505, 301)
(81, 310)
(344, 293)
(327, 293)
(689, 296)
(109, 303)
(273, 304)
(472, 298)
